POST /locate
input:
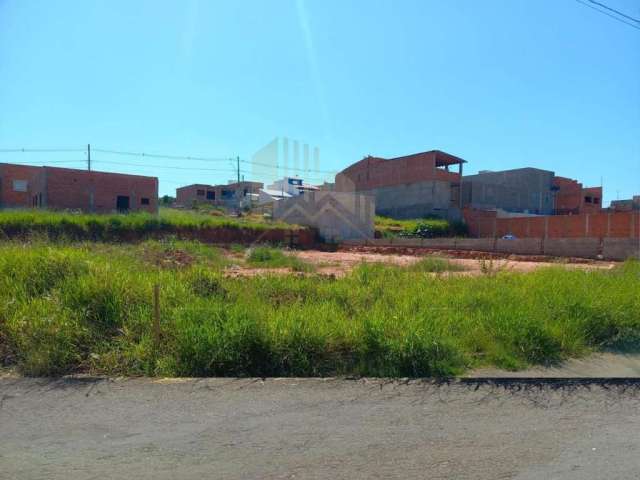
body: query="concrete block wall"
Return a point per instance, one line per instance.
(521, 246)
(516, 190)
(572, 247)
(621, 248)
(413, 200)
(607, 249)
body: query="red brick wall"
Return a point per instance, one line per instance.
(570, 197)
(481, 223)
(603, 224)
(374, 172)
(10, 172)
(63, 188)
(186, 195)
(595, 193)
(69, 188)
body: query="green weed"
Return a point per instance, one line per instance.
(88, 307)
(269, 257)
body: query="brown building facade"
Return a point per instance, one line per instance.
(627, 205)
(412, 186)
(222, 195)
(66, 188)
(572, 198)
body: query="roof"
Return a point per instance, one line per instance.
(243, 183)
(513, 170)
(195, 185)
(275, 193)
(76, 170)
(442, 158)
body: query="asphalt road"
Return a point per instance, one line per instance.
(334, 429)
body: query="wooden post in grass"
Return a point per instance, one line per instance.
(156, 316)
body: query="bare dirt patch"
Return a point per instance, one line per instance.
(169, 258)
(341, 262)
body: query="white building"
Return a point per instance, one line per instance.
(285, 188)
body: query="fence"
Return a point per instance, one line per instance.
(605, 248)
(587, 225)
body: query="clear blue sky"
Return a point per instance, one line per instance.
(502, 83)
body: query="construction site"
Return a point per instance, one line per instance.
(311, 240)
(299, 267)
(524, 211)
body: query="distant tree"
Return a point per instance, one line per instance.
(167, 200)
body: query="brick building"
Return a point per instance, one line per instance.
(222, 195)
(572, 198)
(626, 205)
(66, 188)
(412, 186)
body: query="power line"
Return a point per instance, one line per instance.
(155, 155)
(41, 150)
(39, 164)
(164, 166)
(608, 14)
(614, 10)
(290, 168)
(203, 159)
(236, 170)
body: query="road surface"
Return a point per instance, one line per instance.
(311, 428)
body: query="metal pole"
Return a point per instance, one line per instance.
(88, 156)
(156, 316)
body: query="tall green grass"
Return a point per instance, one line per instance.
(89, 308)
(269, 257)
(76, 226)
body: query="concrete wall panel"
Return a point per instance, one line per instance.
(621, 248)
(572, 247)
(481, 244)
(413, 200)
(522, 246)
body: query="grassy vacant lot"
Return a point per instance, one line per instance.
(88, 307)
(422, 227)
(112, 227)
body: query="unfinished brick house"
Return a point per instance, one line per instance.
(626, 205)
(412, 186)
(572, 198)
(221, 195)
(67, 188)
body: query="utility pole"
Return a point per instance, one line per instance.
(238, 186)
(88, 156)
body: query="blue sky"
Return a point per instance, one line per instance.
(502, 83)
